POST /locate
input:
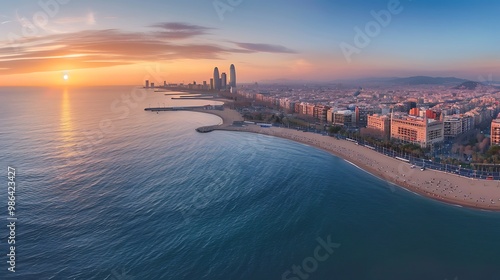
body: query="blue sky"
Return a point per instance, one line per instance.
(426, 38)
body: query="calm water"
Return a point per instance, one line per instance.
(106, 190)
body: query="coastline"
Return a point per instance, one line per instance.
(445, 187)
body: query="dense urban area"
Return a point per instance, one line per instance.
(443, 120)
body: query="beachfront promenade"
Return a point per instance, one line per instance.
(446, 187)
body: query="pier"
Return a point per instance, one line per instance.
(194, 97)
(229, 117)
(190, 108)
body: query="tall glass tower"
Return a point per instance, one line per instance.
(232, 76)
(216, 79)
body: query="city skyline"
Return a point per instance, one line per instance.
(96, 43)
(216, 82)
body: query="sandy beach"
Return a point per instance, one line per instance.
(446, 187)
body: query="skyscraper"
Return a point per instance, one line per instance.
(147, 84)
(223, 82)
(212, 84)
(216, 79)
(232, 76)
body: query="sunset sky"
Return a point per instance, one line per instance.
(125, 42)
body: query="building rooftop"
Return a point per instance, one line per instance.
(345, 112)
(407, 117)
(380, 116)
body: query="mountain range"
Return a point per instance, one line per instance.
(453, 82)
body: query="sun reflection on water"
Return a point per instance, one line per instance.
(66, 124)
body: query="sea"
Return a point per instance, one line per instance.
(106, 190)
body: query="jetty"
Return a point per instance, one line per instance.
(188, 108)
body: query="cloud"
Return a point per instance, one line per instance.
(111, 47)
(265, 48)
(179, 30)
(179, 26)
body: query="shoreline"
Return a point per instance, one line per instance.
(445, 187)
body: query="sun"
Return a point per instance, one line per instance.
(65, 77)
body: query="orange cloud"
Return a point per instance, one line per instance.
(111, 47)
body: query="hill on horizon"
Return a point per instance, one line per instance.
(426, 80)
(456, 83)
